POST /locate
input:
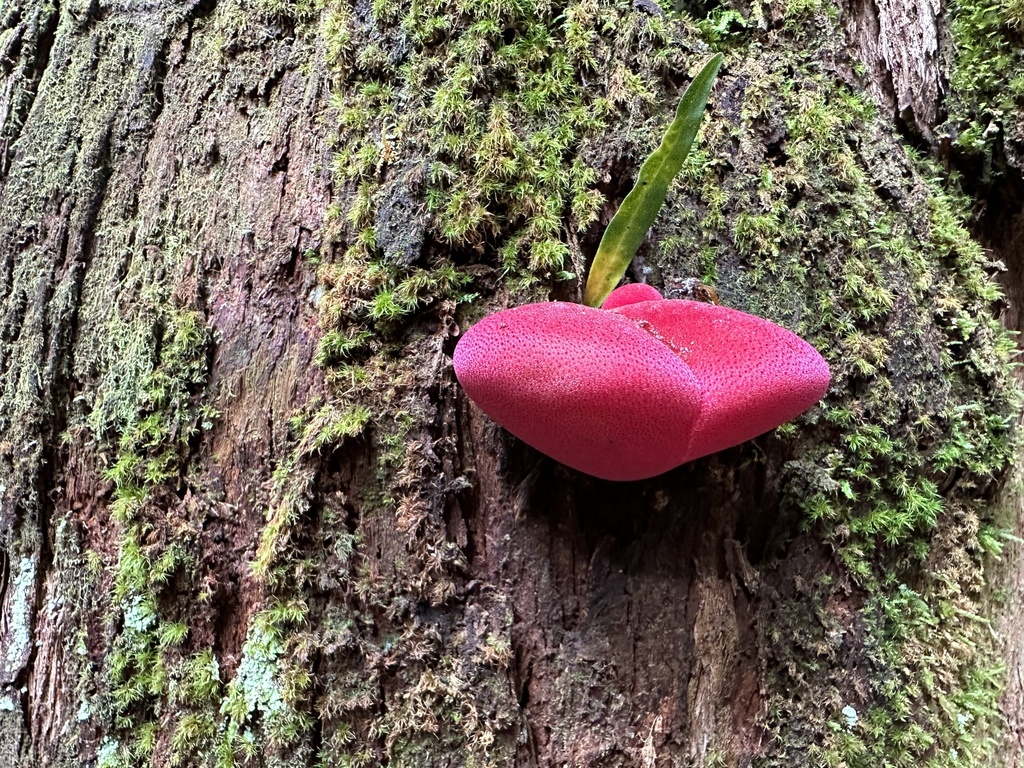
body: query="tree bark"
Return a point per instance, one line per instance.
(247, 515)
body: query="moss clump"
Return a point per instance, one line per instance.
(987, 84)
(467, 123)
(150, 442)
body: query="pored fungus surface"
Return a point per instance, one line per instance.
(631, 294)
(754, 375)
(639, 386)
(585, 386)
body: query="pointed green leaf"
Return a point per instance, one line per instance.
(630, 224)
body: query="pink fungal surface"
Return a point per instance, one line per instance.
(640, 386)
(631, 294)
(585, 386)
(753, 375)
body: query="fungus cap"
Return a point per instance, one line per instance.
(633, 391)
(631, 293)
(753, 374)
(589, 388)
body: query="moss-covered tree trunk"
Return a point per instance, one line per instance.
(247, 517)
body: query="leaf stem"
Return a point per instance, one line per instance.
(629, 226)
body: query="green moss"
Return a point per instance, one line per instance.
(476, 139)
(148, 435)
(987, 84)
(300, 10)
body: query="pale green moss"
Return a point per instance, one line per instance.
(160, 409)
(987, 81)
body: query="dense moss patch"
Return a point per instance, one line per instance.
(986, 84)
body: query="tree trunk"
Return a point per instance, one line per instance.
(247, 515)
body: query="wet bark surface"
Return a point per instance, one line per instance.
(899, 43)
(634, 602)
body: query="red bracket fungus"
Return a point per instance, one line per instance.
(641, 385)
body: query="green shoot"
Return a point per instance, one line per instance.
(630, 224)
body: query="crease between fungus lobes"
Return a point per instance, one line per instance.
(640, 386)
